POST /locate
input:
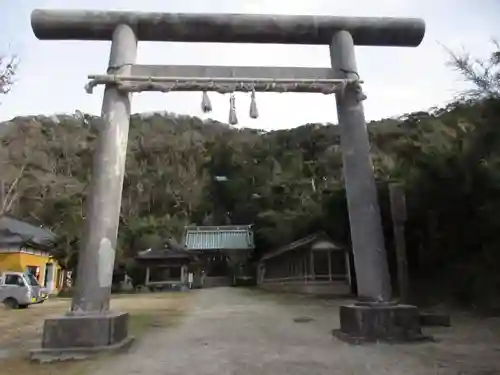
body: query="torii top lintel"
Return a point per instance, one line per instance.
(226, 28)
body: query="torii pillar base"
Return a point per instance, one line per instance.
(73, 337)
(379, 322)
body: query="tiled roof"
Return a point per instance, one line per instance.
(226, 237)
(16, 231)
(303, 243)
(170, 250)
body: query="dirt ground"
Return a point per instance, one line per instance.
(238, 331)
(21, 330)
(241, 331)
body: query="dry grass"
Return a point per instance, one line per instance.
(22, 329)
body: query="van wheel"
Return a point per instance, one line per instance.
(11, 303)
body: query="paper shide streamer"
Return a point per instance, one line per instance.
(206, 107)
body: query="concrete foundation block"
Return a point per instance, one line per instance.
(80, 336)
(364, 323)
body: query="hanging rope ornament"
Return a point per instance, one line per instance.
(233, 120)
(360, 95)
(206, 105)
(254, 113)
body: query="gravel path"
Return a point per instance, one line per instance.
(235, 331)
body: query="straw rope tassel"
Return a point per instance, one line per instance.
(206, 105)
(233, 119)
(254, 112)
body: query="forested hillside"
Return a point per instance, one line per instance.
(288, 183)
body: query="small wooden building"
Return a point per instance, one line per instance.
(167, 267)
(313, 265)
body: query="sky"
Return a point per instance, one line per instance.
(398, 80)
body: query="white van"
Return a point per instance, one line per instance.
(19, 290)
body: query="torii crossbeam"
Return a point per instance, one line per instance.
(90, 323)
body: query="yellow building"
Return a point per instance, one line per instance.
(23, 247)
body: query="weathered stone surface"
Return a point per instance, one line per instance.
(77, 331)
(65, 354)
(385, 322)
(226, 28)
(71, 337)
(79, 336)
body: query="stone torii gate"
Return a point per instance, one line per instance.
(90, 323)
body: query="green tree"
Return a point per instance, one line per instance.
(483, 74)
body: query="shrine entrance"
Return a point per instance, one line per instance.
(222, 251)
(124, 77)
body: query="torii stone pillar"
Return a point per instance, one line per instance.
(90, 324)
(364, 214)
(96, 260)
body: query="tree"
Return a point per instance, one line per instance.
(483, 74)
(287, 183)
(8, 194)
(8, 67)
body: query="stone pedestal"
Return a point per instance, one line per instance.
(80, 336)
(372, 322)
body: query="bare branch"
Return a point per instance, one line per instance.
(11, 195)
(8, 68)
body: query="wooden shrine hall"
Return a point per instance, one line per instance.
(311, 265)
(166, 267)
